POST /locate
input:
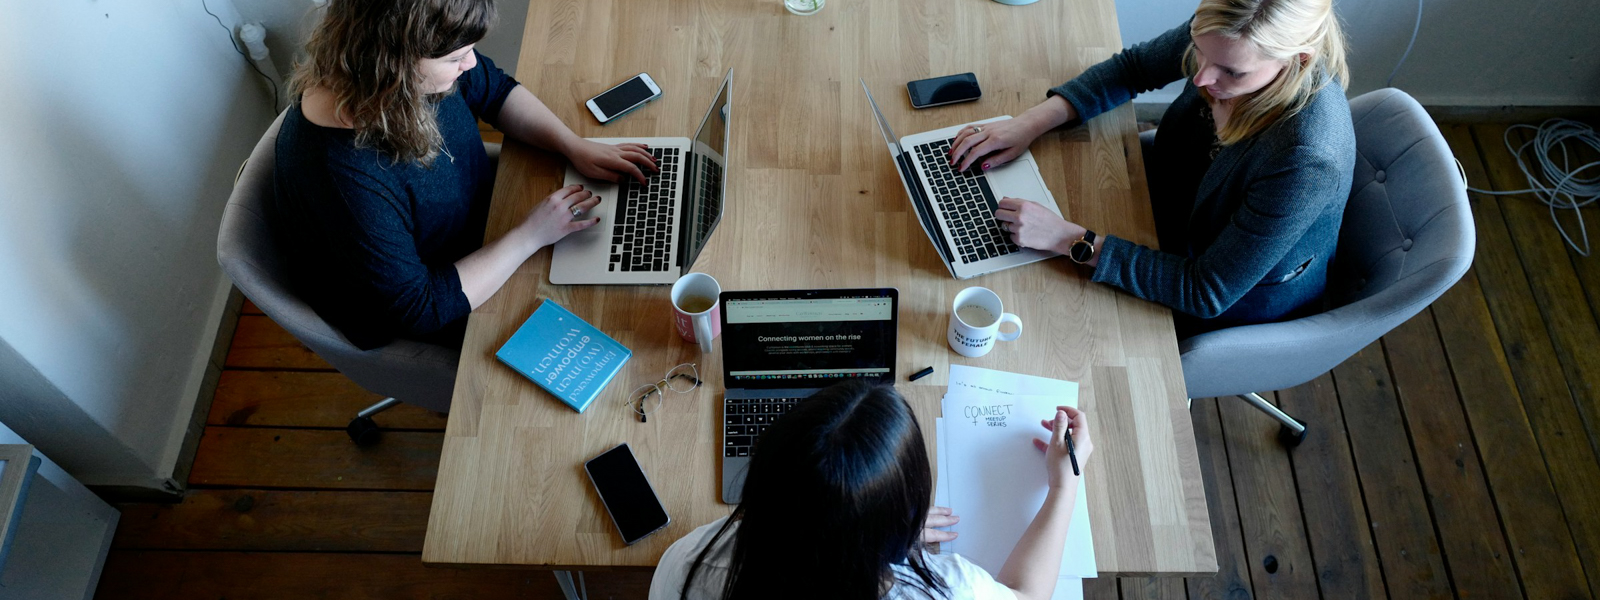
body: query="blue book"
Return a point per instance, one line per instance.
(564, 355)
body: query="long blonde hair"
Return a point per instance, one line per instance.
(367, 53)
(1281, 30)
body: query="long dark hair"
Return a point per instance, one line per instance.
(835, 497)
(366, 53)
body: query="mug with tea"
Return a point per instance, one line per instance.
(975, 320)
(694, 307)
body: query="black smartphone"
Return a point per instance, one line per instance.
(939, 91)
(622, 98)
(627, 494)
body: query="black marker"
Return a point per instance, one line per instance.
(1072, 453)
(920, 374)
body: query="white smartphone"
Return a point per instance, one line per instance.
(623, 98)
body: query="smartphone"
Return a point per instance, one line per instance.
(627, 494)
(623, 98)
(939, 91)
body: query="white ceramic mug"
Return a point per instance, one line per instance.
(975, 319)
(694, 307)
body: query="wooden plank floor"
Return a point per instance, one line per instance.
(1459, 456)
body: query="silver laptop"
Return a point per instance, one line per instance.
(957, 209)
(779, 347)
(650, 234)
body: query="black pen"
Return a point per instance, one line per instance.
(923, 373)
(1072, 453)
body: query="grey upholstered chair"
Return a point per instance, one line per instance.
(1407, 236)
(247, 247)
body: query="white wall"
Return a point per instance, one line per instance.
(1469, 52)
(124, 123)
(288, 22)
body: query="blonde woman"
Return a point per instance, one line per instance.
(1249, 172)
(382, 180)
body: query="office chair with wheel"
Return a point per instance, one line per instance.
(403, 371)
(1407, 236)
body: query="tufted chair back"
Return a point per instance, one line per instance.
(1407, 236)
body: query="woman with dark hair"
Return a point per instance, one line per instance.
(382, 180)
(836, 505)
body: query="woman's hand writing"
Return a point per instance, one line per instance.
(1058, 463)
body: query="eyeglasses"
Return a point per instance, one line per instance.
(646, 399)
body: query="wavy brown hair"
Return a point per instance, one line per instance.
(368, 53)
(1281, 30)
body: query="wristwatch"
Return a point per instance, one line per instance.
(1082, 251)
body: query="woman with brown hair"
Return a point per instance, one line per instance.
(1249, 172)
(382, 179)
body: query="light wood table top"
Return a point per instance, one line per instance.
(814, 202)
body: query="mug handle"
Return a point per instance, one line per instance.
(1009, 318)
(702, 331)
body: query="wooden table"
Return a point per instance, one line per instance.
(814, 201)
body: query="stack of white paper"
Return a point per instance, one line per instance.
(990, 474)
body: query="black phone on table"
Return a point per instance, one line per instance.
(627, 494)
(939, 91)
(623, 98)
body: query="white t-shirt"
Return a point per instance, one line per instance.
(967, 581)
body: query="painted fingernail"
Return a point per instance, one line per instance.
(985, 166)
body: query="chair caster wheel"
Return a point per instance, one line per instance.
(363, 431)
(1288, 438)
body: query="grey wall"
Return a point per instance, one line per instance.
(289, 21)
(1469, 52)
(123, 125)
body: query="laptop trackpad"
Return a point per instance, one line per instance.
(1020, 179)
(593, 239)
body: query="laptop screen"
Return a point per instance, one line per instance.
(808, 339)
(706, 187)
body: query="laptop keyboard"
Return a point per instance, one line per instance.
(747, 418)
(967, 204)
(710, 186)
(641, 238)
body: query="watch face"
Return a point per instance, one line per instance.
(1082, 251)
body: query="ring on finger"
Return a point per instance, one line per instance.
(576, 212)
(977, 129)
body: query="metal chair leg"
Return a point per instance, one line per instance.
(568, 589)
(362, 429)
(1290, 431)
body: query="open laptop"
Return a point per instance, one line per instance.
(653, 233)
(778, 347)
(957, 209)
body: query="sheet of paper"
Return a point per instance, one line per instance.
(996, 477)
(978, 379)
(1068, 588)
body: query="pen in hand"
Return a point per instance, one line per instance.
(1072, 453)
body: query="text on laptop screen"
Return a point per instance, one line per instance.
(807, 342)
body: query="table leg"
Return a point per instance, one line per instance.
(568, 589)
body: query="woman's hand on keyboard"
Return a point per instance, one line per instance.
(1034, 226)
(559, 214)
(611, 162)
(993, 144)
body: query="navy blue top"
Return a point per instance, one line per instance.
(372, 243)
(1252, 230)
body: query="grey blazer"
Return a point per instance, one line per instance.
(1265, 221)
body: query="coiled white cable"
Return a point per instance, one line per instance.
(1559, 186)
